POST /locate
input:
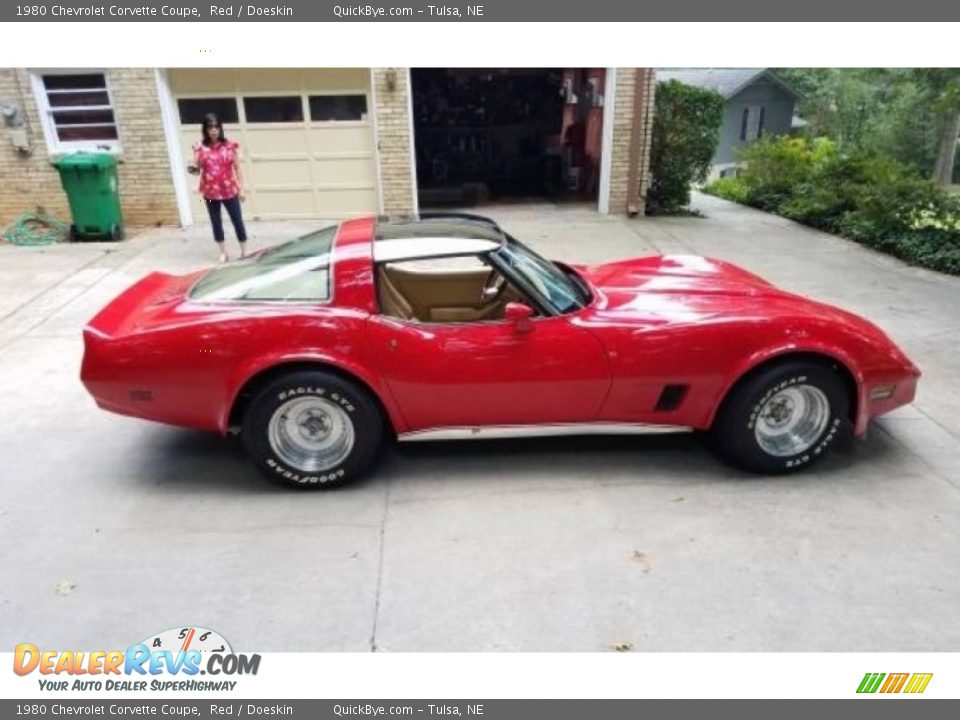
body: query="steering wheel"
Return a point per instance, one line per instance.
(493, 287)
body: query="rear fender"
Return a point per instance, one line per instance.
(254, 367)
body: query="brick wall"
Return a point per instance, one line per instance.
(146, 186)
(394, 144)
(628, 82)
(648, 105)
(26, 181)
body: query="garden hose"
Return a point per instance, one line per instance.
(35, 228)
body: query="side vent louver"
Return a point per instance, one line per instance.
(671, 397)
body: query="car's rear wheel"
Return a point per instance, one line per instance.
(313, 429)
(782, 418)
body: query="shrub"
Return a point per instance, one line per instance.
(889, 198)
(867, 197)
(774, 166)
(685, 133)
(730, 188)
(934, 248)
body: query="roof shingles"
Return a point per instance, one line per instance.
(726, 81)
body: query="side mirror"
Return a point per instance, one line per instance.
(519, 314)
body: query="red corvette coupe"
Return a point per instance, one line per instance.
(444, 326)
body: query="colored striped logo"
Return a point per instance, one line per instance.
(894, 682)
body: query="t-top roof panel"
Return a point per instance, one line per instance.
(430, 247)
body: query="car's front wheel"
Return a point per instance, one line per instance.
(313, 429)
(782, 418)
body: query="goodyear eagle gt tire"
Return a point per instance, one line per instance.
(313, 429)
(782, 418)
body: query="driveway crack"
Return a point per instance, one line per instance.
(917, 456)
(126, 256)
(936, 422)
(383, 532)
(69, 276)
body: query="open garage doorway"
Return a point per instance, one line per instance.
(507, 135)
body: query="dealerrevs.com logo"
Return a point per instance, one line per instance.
(170, 660)
(909, 683)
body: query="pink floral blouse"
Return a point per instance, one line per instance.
(218, 181)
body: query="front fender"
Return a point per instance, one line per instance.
(822, 350)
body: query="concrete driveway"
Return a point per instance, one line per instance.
(112, 528)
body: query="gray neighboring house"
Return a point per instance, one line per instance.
(758, 103)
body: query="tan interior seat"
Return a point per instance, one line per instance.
(452, 296)
(391, 301)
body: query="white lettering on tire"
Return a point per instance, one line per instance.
(296, 477)
(752, 419)
(336, 397)
(808, 455)
(821, 446)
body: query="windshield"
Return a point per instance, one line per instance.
(297, 270)
(550, 282)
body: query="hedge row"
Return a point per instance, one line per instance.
(871, 199)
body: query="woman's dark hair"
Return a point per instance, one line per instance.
(210, 120)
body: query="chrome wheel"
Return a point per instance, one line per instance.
(311, 434)
(792, 420)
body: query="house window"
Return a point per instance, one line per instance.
(77, 111)
(193, 110)
(760, 121)
(751, 127)
(273, 109)
(338, 107)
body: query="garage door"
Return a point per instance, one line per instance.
(306, 137)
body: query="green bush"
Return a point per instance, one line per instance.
(930, 247)
(774, 166)
(822, 199)
(730, 188)
(685, 133)
(889, 198)
(866, 197)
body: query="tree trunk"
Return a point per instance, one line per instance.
(943, 173)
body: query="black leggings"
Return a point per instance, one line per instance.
(233, 210)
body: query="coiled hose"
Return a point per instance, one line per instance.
(35, 228)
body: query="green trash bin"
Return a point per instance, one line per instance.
(90, 181)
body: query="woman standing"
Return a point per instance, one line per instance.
(217, 160)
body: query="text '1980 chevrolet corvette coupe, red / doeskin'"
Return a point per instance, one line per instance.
(445, 327)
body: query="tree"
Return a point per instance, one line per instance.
(943, 89)
(912, 116)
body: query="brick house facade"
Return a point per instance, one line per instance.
(391, 92)
(632, 123)
(150, 146)
(146, 186)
